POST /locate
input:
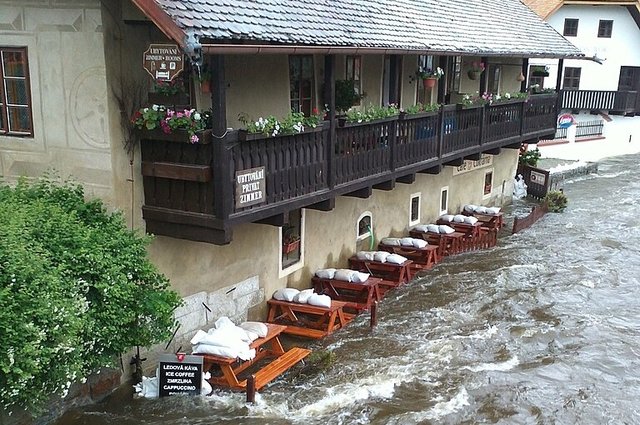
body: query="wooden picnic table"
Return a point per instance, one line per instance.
(357, 296)
(227, 370)
(448, 243)
(423, 258)
(393, 275)
(470, 230)
(491, 221)
(308, 320)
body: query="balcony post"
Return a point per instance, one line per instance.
(483, 118)
(218, 96)
(440, 131)
(522, 118)
(393, 131)
(221, 161)
(483, 76)
(330, 100)
(559, 75)
(525, 72)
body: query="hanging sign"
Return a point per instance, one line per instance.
(538, 178)
(163, 61)
(484, 161)
(250, 187)
(566, 120)
(179, 374)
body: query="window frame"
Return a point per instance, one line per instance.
(5, 127)
(568, 81)
(299, 99)
(285, 271)
(353, 71)
(367, 234)
(605, 31)
(444, 191)
(569, 30)
(485, 194)
(413, 196)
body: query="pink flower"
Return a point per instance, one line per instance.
(187, 113)
(179, 115)
(194, 139)
(170, 113)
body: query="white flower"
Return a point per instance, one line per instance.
(196, 116)
(154, 107)
(145, 110)
(507, 95)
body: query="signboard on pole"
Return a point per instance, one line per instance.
(163, 61)
(250, 187)
(179, 374)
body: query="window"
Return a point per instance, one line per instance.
(605, 28)
(301, 83)
(423, 95)
(444, 200)
(364, 225)
(354, 72)
(629, 77)
(494, 78)
(488, 184)
(571, 78)
(414, 209)
(533, 80)
(15, 93)
(291, 240)
(570, 27)
(452, 74)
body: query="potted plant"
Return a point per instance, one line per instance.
(429, 76)
(475, 69)
(290, 240)
(346, 97)
(164, 123)
(204, 78)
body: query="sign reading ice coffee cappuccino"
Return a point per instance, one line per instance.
(163, 61)
(250, 187)
(179, 374)
(484, 161)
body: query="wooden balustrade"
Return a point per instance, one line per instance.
(417, 139)
(622, 102)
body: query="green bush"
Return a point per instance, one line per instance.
(529, 157)
(556, 200)
(76, 290)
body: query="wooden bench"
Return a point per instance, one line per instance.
(392, 275)
(423, 258)
(358, 297)
(230, 369)
(470, 230)
(447, 243)
(491, 221)
(308, 320)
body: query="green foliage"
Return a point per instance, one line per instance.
(295, 122)
(529, 157)
(556, 200)
(76, 290)
(346, 95)
(168, 88)
(373, 112)
(420, 107)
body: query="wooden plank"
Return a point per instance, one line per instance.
(280, 365)
(408, 179)
(171, 170)
(386, 185)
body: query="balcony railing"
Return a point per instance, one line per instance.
(195, 191)
(620, 102)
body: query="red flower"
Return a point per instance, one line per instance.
(314, 111)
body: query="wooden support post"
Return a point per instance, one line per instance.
(443, 61)
(525, 72)
(251, 389)
(330, 101)
(559, 75)
(483, 76)
(374, 315)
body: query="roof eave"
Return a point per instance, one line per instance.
(162, 20)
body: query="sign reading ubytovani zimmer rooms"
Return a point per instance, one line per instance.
(179, 374)
(250, 187)
(163, 61)
(484, 161)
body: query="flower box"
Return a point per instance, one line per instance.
(178, 136)
(378, 121)
(245, 136)
(424, 114)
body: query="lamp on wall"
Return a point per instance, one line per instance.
(520, 77)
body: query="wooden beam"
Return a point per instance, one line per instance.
(188, 232)
(176, 171)
(408, 179)
(525, 72)
(494, 151)
(363, 193)
(387, 185)
(474, 157)
(218, 96)
(559, 76)
(277, 220)
(327, 205)
(455, 163)
(513, 146)
(432, 170)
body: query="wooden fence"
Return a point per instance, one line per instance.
(537, 212)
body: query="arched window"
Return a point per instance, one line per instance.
(365, 224)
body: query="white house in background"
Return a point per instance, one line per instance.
(606, 30)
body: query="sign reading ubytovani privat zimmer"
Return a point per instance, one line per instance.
(484, 161)
(250, 187)
(163, 61)
(179, 374)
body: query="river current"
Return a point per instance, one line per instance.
(542, 329)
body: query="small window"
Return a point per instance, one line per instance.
(571, 79)
(444, 200)
(301, 83)
(364, 225)
(452, 74)
(495, 71)
(605, 28)
(488, 184)
(354, 72)
(291, 236)
(423, 94)
(15, 93)
(414, 209)
(570, 27)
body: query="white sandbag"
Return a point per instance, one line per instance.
(421, 228)
(251, 336)
(406, 241)
(447, 217)
(223, 322)
(470, 220)
(419, 243)
(224, 337)
(470, 208)
(319, 300)
(345, 275)
(258, 328)
(391, 241)
(205, 388)
(459, 218)
(365, 255)
(148, 388)
(380, 256)
(443, 228)
(326, 273)
(396, 259)
(285, 294)
(303, 296)
(360, 277)
(481, 210)
(245, 353)
(493, 210)
(433, 228)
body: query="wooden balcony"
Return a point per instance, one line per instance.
(195, 191)
(614, 102)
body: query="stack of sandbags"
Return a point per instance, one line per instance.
(407, 242)
(470, 208)
(306, 296)
(226, 339)
(434, 228)
(381, 257)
